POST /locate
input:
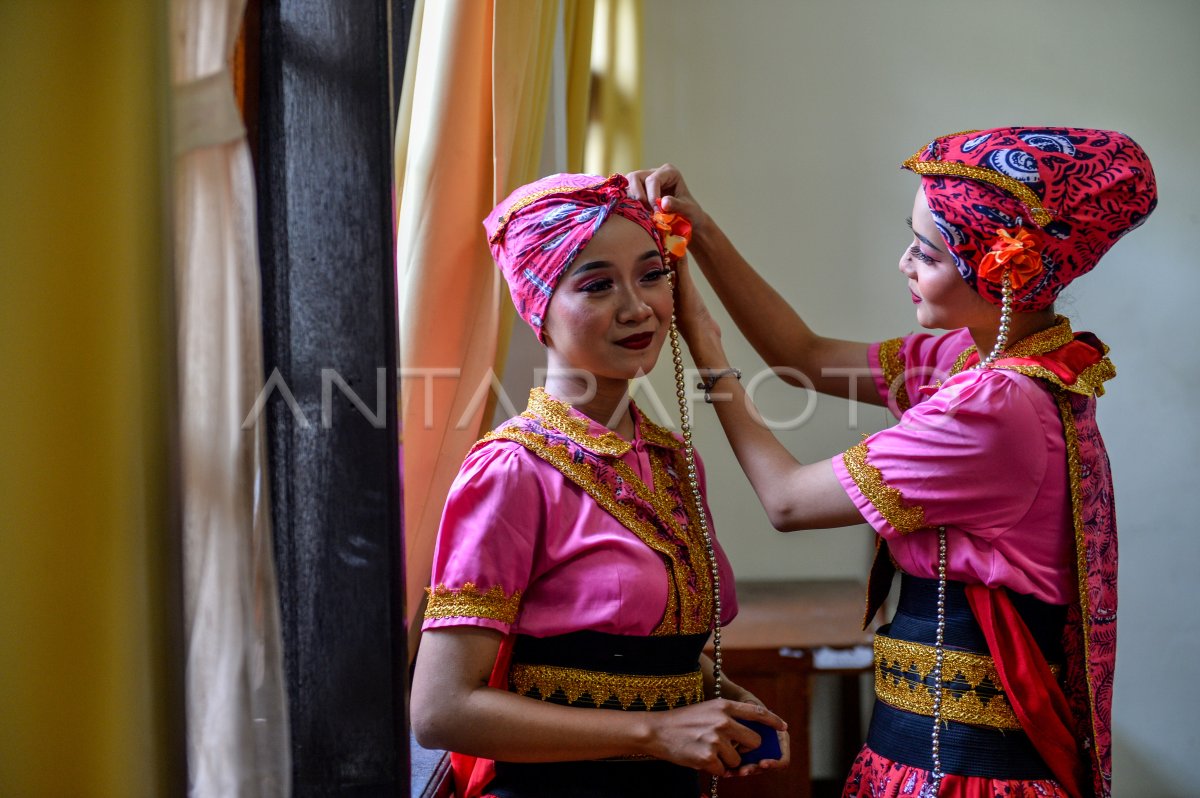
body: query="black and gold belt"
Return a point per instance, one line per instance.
(604, 671)
(971, 688)
(575, 686)
(981, 735)
(593, 669)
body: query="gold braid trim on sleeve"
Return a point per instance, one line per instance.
(468, 602)
(681, 690)
(886, 499)
(892, 366)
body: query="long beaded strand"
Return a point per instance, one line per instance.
(689, 451)
(939, 660)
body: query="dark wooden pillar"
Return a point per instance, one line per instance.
(324, 163)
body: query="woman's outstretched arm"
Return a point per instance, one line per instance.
(794, 495)
(454, 709)
(775, 330)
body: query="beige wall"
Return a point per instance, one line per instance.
(789, 120)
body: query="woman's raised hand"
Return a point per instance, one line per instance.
(707, 736)
(649, 185)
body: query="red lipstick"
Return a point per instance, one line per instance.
(638, 341)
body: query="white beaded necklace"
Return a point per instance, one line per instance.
(1005, 320)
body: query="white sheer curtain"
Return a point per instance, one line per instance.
(236, 701)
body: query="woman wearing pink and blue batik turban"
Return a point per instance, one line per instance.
(572, 586)
(992, 495)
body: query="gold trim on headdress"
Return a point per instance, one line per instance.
(529, 199)
(1015, 188)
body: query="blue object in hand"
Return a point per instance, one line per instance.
(767, 749)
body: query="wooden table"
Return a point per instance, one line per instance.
(769, 649)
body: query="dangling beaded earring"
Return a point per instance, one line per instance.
(1005, 318)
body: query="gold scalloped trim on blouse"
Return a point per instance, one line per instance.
(887, 500)
(468, 602)
(1043, 341)
(600, 687)
(658, 436)
(901, 667)
(961, 362)
(557, 416)
(689, 594)
(1075, 477)
(1039, 343)
(892, 366)
(693, 579)
(1089, 383)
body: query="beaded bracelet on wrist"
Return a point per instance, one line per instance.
(710, 381)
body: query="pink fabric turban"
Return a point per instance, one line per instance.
(539, 229)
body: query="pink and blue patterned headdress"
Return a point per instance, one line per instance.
(1040, 203)
(536, 233)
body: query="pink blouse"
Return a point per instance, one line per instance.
(512, 522)
(983, 455)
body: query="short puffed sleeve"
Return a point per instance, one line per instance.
(972, 456)
(487, 540)
(901, 366)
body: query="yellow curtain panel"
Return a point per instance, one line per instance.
(88, 686)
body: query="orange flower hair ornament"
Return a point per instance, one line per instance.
(675, 231)
(1020, 255)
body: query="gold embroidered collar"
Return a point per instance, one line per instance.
(1039, 343)
(582, 430)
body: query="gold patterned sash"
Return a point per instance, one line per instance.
(971, 688)
(600, 687)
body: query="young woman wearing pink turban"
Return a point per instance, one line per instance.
(992, 495)
(573, 588)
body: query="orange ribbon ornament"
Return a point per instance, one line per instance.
(1017, 254)
(675, 231)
